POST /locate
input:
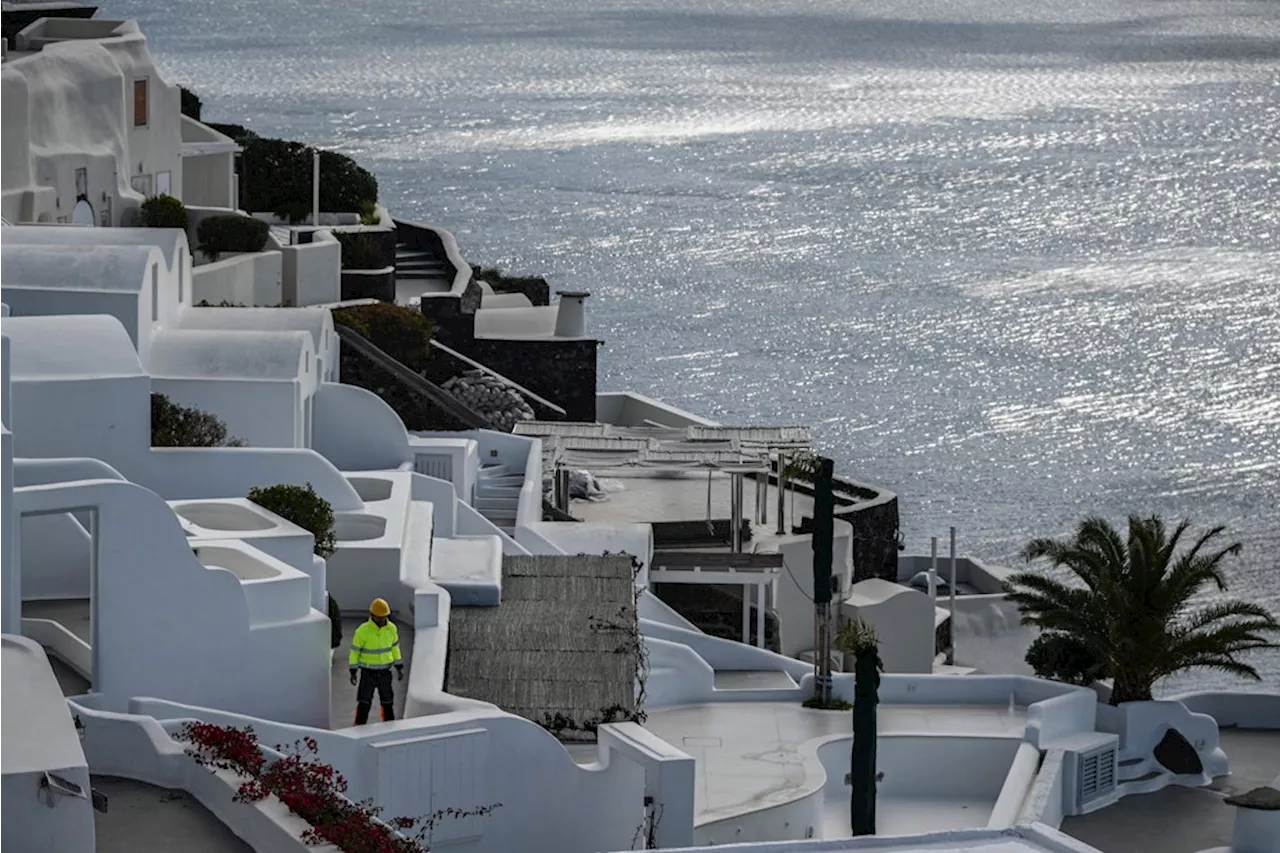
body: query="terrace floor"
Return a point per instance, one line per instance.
(747, 754)
(679, 496)
(71, 613)
(342, 693)
(1184, 820)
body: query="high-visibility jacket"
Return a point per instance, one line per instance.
(375, 648)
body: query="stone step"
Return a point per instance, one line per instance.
(419, 275)
(500, 517)
(418, 264)
(487, 491)
(502, 505)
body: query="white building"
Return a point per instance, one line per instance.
(147, 574)
(91, 129)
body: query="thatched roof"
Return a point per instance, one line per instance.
(563, 641)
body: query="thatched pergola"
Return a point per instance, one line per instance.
(560, 650)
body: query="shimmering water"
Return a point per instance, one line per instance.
(1017, 261)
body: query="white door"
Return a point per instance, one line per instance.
(82, 214)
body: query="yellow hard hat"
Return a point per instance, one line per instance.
(379, 608)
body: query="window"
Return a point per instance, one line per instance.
(162, 183)
(82, 183)
(141, 184)
(140, 102)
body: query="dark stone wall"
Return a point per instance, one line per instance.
(562, 371)
(875, 539)
(385, 237)
(360, 284)
(536, 289)
(874, 519)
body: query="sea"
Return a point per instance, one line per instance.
(1018, 262)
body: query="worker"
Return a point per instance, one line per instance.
(375, 648)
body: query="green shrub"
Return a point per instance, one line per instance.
(237, 132)
(303, 507)
(231, 233)
(360, 251)
(164, 211)
(369, 213)
(191, 104)
(1062, 657)
(278, 175)
(173, 425)
(401, 332)
(404, 334)
(335, 624)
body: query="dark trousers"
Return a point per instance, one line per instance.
(371, 679)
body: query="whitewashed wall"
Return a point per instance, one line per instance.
(250, 279)
(261, 413)
(149, 585)
(312, 272)
(356, 430)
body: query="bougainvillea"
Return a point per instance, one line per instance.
(312, 790)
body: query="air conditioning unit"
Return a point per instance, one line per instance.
(1089, 772)
(438, 465)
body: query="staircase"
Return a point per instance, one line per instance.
(419, 272)
(498, 495)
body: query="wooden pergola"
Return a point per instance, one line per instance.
(737, 451)
(758, 571)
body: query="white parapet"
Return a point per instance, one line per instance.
(47, 800)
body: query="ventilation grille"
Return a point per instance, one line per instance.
(438, 465)
(1097, 774)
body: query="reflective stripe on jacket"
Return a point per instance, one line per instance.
(375, 648)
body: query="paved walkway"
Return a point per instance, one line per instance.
(1183, 820)
(72, 613)
(747, 754)
(142, 817)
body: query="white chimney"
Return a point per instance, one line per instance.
(571, 319)
(1257, 820)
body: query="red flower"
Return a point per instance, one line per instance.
(310, 789)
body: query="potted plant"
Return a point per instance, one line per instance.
(365, 271)
(1130, 612)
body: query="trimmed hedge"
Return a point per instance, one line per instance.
(278, 179)
(231, 233)
(1063, 657)
(402, 333)
(173, 425)
(191, 104)
(335, 624)
(360, 251)
(164, 211)
(302, 506)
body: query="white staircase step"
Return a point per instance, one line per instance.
(487, 491)
(503, 505)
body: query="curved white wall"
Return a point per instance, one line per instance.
(356, 430)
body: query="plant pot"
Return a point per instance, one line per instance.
(1164, 735)
(369, 284)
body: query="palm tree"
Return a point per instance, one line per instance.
(859, 639)
(1135, 612)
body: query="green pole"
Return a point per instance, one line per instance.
(823, 534)
(862, 800)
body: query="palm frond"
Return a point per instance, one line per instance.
(1133, 610)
